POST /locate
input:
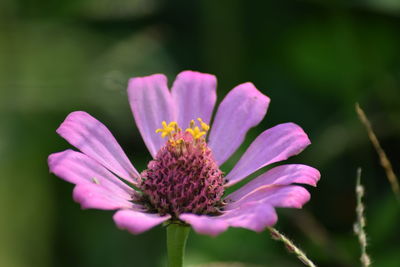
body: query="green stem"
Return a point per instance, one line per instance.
(176, 242)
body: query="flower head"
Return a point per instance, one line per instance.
(183, 177)
(183, 182)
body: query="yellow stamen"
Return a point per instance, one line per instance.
(176, 128)
(172, 128)
(173, 124)
(195, 132)
(204, 125)
(192, 124)
(167, 129)
(179, 141)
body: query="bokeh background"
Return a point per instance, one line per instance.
(314, 58)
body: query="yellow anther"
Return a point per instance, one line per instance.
(200, 134)
(195, 132)
(192, 124)
(190, 130)
(173, 124)
(204, 125)
(179, 141)
(167, 129)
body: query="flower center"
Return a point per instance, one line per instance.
(184, 176)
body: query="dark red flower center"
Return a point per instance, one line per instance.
(183, 177)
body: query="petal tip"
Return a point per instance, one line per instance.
(158, 77)
(137, 222)
(251, 89)
(72, 118)
(53, 159)
(204, 224)
(302, 137)
(190, 74)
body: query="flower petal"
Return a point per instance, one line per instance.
(254, 216)
(94, 139)
(289, 196)
(204, 224)
(273, 145)
(243, 108)
(281, 175)
(77, 168)
(96, 187)
(93, 196)
(137, 222)
(251, 215)
(151, 103)
(195, 95)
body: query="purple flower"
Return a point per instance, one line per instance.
(183, 182)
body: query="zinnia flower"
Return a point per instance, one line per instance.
(183, 182)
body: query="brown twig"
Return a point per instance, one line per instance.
(291, 247)
(387, 166)
(360, 223)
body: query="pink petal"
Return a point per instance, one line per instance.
(273, 145)
(254, 216)
(94, 139)
(204, 224)
(93, 196)
(77, 168)
(96, 186)
(195, 95)
(243, 108)
(151, 103)
(137, 222)
(281, 175)
(289, 196)
(251, 215)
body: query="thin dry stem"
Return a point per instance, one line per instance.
(381, 153)
(360, 223)
(291, 247)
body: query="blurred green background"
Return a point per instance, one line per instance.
(315, 59)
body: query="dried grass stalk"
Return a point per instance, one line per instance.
(276, 235)
(381, 153)
(359, 225)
